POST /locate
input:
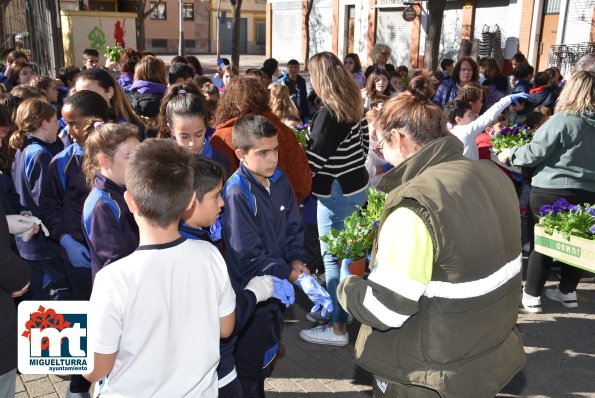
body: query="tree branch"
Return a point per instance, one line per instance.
(153, 7)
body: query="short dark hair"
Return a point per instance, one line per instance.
(532, 119)
(90, 52)
(86, 104)
(249, 127)
(271, 64)
(179, 71)
(267, 73)
(503, 117)
(177, 59)
(293, 62)
(67, 73)
(446, 62)
(160, 179)
(541, 79)
(523, 71)
(456, 108)
(208, 174)
(394, 73)
(519, 58)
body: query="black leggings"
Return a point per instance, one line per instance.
(540, 264)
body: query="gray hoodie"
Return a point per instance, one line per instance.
(562, 153)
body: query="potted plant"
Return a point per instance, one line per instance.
(354, 242)
(567, 233)
(517, 135)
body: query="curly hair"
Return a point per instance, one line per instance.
(243, 95)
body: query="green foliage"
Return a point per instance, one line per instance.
(517, 135)
(300, 133)
(357, 237)
(113, 52)
(567, 219)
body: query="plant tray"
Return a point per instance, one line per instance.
(575, 251)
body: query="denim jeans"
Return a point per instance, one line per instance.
(331, 213)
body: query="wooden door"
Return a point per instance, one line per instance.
(549, 29)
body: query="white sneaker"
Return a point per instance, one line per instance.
(324, 335)
(530, 304)
(568, 300)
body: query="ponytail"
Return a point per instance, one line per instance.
(30, 115)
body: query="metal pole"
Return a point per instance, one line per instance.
(181, 38)
(217, 27)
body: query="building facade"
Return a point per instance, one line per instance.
(496, 28)
(200, 22)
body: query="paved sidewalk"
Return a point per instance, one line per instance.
(560, 348)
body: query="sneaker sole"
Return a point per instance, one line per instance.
(524, 310)
(323, 342)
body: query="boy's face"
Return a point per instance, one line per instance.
(476, 106)
(262, 158)
(206, 211)
(396, 84)
(90, 62)
(497, 128)
(189, 133)
(467, 118)
(293, 71)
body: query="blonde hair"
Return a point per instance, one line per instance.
(106, 138)
(30, 115)
(281, 104)
(380, 49)
(578, 95)
(336, 87)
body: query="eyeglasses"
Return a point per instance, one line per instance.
(377, 149)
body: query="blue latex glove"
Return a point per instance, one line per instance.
(316, 293)
(283, 290)
(78, 254)
(518, 96)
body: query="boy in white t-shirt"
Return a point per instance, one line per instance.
(467, 125)
(158, 314)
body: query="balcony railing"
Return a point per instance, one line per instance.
(564, 56)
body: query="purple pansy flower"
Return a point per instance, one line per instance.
(590, 210)
(592, 229)
(546, 209)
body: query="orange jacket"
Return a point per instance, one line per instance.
(292, 159)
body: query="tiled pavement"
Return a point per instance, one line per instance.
(560, 348)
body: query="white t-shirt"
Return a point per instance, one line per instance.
(159, 309)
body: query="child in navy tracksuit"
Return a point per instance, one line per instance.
(263, 235)
(209, 177)
(109, 227)
(63, 195)
(34, 142)
(187, 117)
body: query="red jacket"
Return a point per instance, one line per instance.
(292, 159)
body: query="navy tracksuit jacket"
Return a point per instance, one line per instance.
(109, 227)
(31, 164)
(263, 232)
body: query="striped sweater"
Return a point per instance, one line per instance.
(337, 150)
